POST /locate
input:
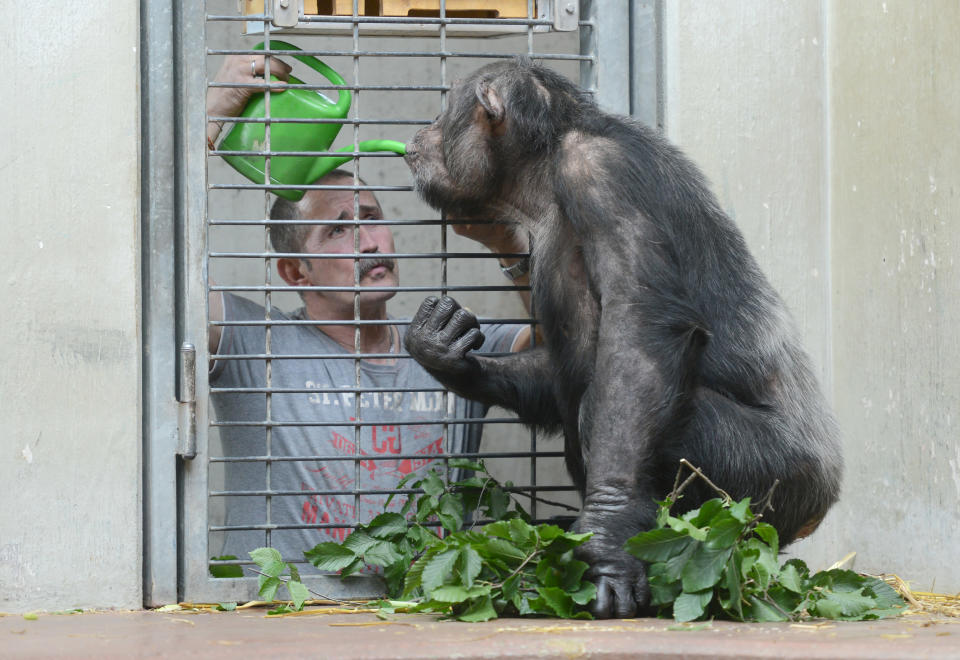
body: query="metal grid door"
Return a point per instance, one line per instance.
(398, 71)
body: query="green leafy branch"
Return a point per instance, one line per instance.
(507, 567)
(721, 561)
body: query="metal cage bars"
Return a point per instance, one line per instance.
(174, 215)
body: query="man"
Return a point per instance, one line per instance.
(326, 409)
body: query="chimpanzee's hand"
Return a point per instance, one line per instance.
(620, 578)
(440, 335)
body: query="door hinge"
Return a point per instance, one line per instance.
(566, 15)
(286, 13)
(188, 402)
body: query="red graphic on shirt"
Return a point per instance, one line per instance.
(389, 444)
(409, 465)
(385, 441)
(328, 509)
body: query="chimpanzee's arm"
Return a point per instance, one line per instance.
(440, 337)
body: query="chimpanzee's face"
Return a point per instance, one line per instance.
(451, 159)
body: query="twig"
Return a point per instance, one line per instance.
(717, 488)
(526, 561)
(766, 502)
(544, 500)
(315, 593)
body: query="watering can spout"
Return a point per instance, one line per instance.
(326, 164)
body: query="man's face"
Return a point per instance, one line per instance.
(339, 238)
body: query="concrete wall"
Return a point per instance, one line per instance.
(69, 343)
(894, 75)
(829, 133)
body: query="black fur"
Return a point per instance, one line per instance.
(663, 338)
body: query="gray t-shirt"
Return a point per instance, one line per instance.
(406, 436)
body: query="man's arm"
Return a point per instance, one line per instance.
(500, 238)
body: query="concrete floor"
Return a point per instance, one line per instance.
(330, 633)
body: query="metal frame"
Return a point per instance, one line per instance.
(624, 70)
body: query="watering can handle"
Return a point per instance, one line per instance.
(343, 98)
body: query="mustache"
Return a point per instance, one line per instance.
(366, 265)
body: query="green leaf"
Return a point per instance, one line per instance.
(501, 552)
(298, 594)
(557, 600)
(394, 575)
(741, 510)
(673, 567)
(268, 587)
(226, 607)
(521, 532)
(769, 534)
(705, 514)
(263, 557)
(500, 529)
(225, 570)
(886, 597)
(734, 601)
(658, 544)
(432, 484)
(704, 568)
(511, 587)
(759, 562)
(497, 503)
(481, 609)
(759, 610)
(586, 593)
(844, 604)
(573, 571)
(330, 556)
(663, 593)
(549, 532)
(547, 573)
(451, 512)
(663, 512)
(414, 577)
(359, 541)
(469, 565)
(421, 538)
(691, 606)
(438, 569)
(681, 525)
(466, 464)
(353, 567)
(281, 609)
(386, 526)
(452, 593)
(383, 553)
(724, 532)
(426, 507)
(791, 577)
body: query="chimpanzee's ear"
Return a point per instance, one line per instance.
(492, 103)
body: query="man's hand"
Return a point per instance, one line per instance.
(241, 69)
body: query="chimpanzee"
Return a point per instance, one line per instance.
(663, 339)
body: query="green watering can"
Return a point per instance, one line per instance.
(295, 104)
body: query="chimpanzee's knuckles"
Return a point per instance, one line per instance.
(472, 338)
(424, 312)
(461, 322)
(620, 578)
